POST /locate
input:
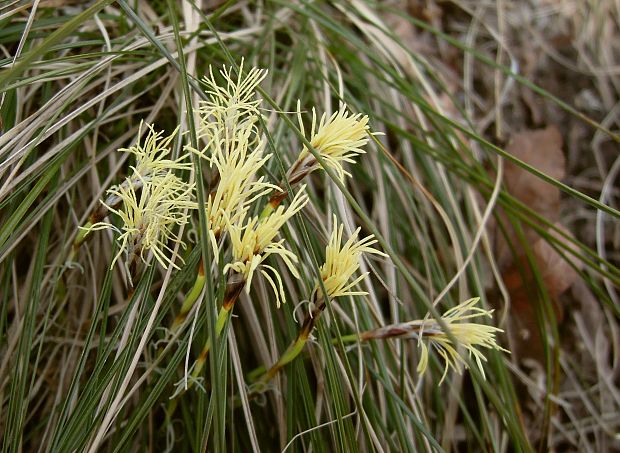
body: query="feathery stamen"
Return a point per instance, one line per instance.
(338, 139)
(253, 242)
(470, 335)
(343, 260)
(149, 218)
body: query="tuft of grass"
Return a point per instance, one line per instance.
(88, 363)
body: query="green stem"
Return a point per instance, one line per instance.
(191, 298)
(289, 355)
(81, 236)
(235, 285)
(275, 200)
(266, 212)
(293, 351)
(352, 338)
(222, 317)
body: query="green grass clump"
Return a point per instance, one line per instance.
(165, 349)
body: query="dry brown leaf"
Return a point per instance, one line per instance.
(557, 275)
(534, 104)
(417, 40)
(542, 149)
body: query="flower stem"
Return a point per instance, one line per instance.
(191, 298)
(81, 236)
(233, 290)
(352, 338)
(274, 201)
(289, 355)
(222, 317)
(294, 349)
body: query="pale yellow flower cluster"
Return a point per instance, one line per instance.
(253, 242)
(470, 336)
(228, 125)
(234, 147)
(150, 217)
(238, 187)
(231, 108)
(342, 261)
(151, 202)
(152, 154)
(337, 139)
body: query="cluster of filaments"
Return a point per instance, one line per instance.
(154, 202)
(151, 202)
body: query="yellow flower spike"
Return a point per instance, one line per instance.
(253, 242)
(151, 154)
(237, 165)
(233, 146)
(148, 218)
(343, 260)
(470, 335)
(230, 106)
(338, 139)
